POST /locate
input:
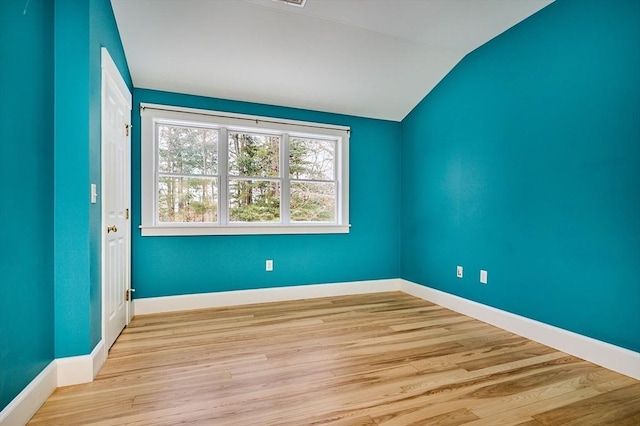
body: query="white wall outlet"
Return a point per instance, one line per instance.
(483, 276)
(459, 271)
(269, 265)
(94, 193)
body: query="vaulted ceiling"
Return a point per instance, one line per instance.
(370, 58)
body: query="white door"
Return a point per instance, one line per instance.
(116, 197)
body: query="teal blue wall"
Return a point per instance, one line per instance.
(50, 269)
(71, 251)
(26, 193)
(178, 265)
(525, 161)
(81, 29)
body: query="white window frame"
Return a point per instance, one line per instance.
(151, 114)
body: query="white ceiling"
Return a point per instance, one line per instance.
(370, 58)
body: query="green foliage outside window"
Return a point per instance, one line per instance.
(254, 156)
(188, 177)
(187, 168)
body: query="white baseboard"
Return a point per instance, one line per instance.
(81, 369)
(185, 302)
(99, 356)
(613, 357)
(25, 405)
(60, 372)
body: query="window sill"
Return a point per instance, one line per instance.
(182, 230)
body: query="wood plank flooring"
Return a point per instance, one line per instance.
(376, 359)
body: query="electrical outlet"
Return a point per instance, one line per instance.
(459, 271)
(94, 193)
(483, 276)
(269, 265)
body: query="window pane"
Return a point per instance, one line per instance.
(187, 150)
(313, 202)
(312, 159)
(183, 199)
(254, 201)
(254, 155)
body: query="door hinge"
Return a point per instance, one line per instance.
(126, 214)
(126, 129)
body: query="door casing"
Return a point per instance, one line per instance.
(111, 74)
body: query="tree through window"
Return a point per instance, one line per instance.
(215, 171)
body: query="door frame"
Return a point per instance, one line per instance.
(110, 69)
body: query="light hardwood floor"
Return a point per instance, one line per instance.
(387, 358)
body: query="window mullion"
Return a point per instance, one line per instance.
(285, 193)
(164, 182)
(337, 177)
(156, 174)
(223, 181)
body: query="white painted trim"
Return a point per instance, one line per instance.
(248, 229)
(25, 405)
(98, 356)
(152, 115)
(81, 369)
(224, 117)
(613, 357)
(74, 370)
(155, 305)
(111, 67)
(111, 73)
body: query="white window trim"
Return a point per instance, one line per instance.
(150, 113)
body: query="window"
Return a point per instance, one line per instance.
(212, 173)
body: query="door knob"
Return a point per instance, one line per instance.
(112, 228)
